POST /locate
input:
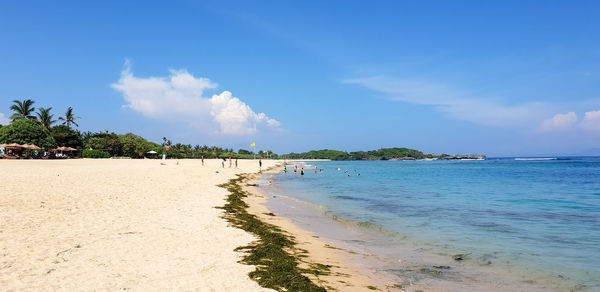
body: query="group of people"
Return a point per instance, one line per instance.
(317, 170)
(296, 168)
(231, 161)
(225, 160)
(347, 172)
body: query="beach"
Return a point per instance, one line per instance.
(122, 224)
(92, 224)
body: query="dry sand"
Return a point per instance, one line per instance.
(119, 225)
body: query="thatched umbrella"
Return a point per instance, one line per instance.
(31, 146)
(15, 146)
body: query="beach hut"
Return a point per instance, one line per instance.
(63, 149)
(31, 147)
(13, 150)
(14, 146)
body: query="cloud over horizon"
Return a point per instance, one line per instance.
(180, 98)
(457, 104)
(570, 122)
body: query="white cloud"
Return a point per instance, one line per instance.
(179, 98)
(569, 122)
(560, 122)
(235, 117)
(591, 122)
(458, 104)
(4, 120)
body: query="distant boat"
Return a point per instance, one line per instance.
(540, 158)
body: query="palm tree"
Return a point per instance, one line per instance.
(69, 118)
(44, 117)
(22, 109)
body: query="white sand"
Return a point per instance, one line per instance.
(119, 225)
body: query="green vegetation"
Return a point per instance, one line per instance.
(45, 118)
(22, 110)
(381, 154)
(67, 137)
(95, 154)
(274, 254)
(27, 131)
(69, 118)
(320, 154)
(134, 146)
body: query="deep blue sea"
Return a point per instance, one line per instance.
(535, 222)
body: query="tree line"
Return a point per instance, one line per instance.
(30, 127)
(380, 154)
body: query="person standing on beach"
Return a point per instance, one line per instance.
(236, 163)
(229, 161)
(223, 162)
(260, 164)
(202, 160)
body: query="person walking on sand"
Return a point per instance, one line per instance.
(229, 161)
(260, 164)
(223, 162)
(236, 163)
(202, 160)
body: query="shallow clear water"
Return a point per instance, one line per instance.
(537, 219)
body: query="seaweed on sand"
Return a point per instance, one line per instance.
(274, 254)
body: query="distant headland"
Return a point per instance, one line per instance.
(380, 154)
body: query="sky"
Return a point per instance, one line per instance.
(502, 78)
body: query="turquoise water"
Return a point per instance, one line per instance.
(525, 218)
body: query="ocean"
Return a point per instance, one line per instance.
(501, 224)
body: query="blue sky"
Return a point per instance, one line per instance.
(503, 78)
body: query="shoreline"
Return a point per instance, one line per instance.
(345, 272)
(442, 272)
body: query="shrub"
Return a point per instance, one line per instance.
(27, 131)
(95, 154)
(65, 136)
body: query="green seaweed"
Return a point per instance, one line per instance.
(274, 253)
(395, 286)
